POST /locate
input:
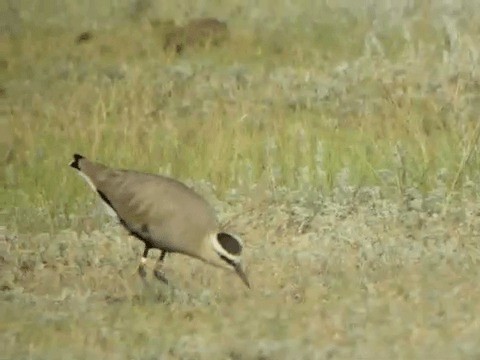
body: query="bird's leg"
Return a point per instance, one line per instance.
(143, 261)
(158, 266)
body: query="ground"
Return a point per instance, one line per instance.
(340, 141)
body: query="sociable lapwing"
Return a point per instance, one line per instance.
(165, 214)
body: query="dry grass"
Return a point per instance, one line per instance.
(342, 145)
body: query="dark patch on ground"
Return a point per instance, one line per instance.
(196, 33)
(83, 37)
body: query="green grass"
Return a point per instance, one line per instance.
(342, 146)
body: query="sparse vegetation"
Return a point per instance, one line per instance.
(339, 140)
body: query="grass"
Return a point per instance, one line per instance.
(341, 145)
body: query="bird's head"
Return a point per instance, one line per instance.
(227, 253)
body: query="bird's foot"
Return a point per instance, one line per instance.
(160, 276)
(142, 272)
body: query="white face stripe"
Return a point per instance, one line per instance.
(87, 179)
(109, 209)
(220, 250)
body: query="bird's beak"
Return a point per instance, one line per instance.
(241, 273)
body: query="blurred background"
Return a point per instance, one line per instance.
(299, 95)
(338, 138)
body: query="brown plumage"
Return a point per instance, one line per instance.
(196, 33)
(163, 213)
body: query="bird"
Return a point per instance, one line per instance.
(164, 214)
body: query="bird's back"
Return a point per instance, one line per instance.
(163, 211)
